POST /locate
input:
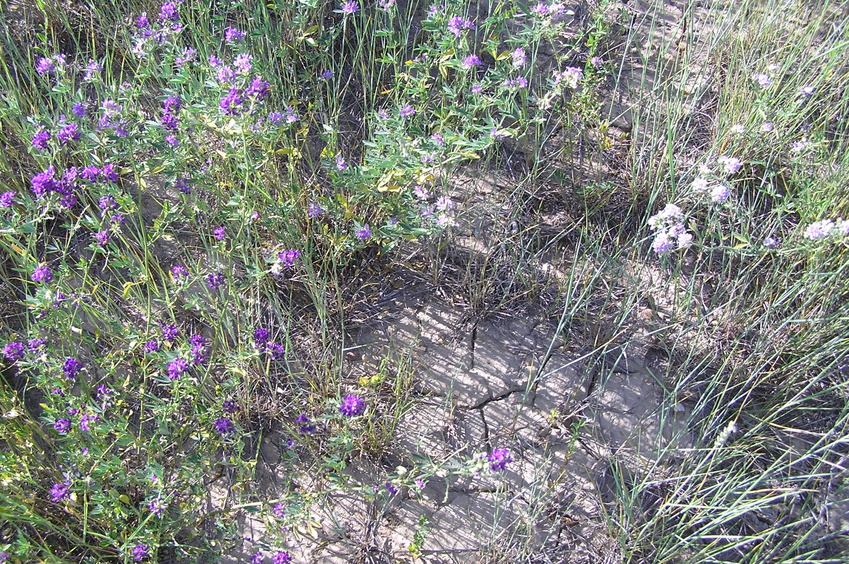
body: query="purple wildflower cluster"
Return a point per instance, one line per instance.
(288, 257)
(499, 459)
(364, 233)
(13, 351)
(176, 368)
(215, 280)
(171, 120)
(7, 199)
(458, 25)
(570, 76)
(471, 61)
(305, 424)
(140, 552)
(224, 426)
(349, 8)
(60, 491)
(71, 367)
(352, 405)
(234, 35)
(669, 230)
(826, 228)
(199, 350)
(519, 57)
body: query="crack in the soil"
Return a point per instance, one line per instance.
(503, 396)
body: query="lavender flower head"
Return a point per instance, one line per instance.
(13, 351)
(350, 8)
(140, 552)
(60, 491)
(224, 426)
(151, 347)
(229, 406)
(819, 229)
(471, 61)
(719, 193)
(176, 368)
(219, 233)
(261, 337)
(170, 332)
(519, 57)
(179, 271)
(7, 199)
(258, 557)
(314, 210)
(40, 139)
(364, 233)
(730, 165)
(458, 25)
(499, 459)
(407, 111)
(62, 426)
(215, 280)
(71, 367)
(282, 558)
(168, 12)
(233, 35)
(352, 405)
(288, 258)
(279, 510)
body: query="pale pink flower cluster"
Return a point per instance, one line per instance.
(670, 232)
(570, 76)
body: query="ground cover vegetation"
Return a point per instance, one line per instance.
(199, 200)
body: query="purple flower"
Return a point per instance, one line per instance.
(349, 8)
(352, 405)
(225, 74)
(71, 367)
(7, 199)
(187, 56)
(44, 182)
(229, 406)
(730, 165)
(62, 426)
(288, 258)
(770, 242)
(519, 57)
(172, 141)
(168, 12)
(68, 133)
(91, 71)
(719, 193)
(45, 66)
(313, 210)
(383, 114)
(109, 173)
(224, 426)
(179, 271)
(258, 89)
(819, 229)
(219, 233)
(282, 558)
(258, 557)
(471, 61)
(177, 368)
(140, 552)
(407, 111)
(279, 511)
(231, 102)
(102, 237)
(200, 350)
(499, 459)
(170, 122)
(35, 344)
(391, 489)
(142, 22)
(364, 233)
(151, 347)
(90, 173)
(327, 74)
(13, 351)
(42, 274)
(243, 63)
(340, 163)
(233, 35)
(663, 243)
(215, 280)
(458, 25)
(60, 491)
(170, 332)
(85, 419)
(40, 139)
(305, 425)
(261, 337)
(182, 185)
(276, 350)
(477, 89)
